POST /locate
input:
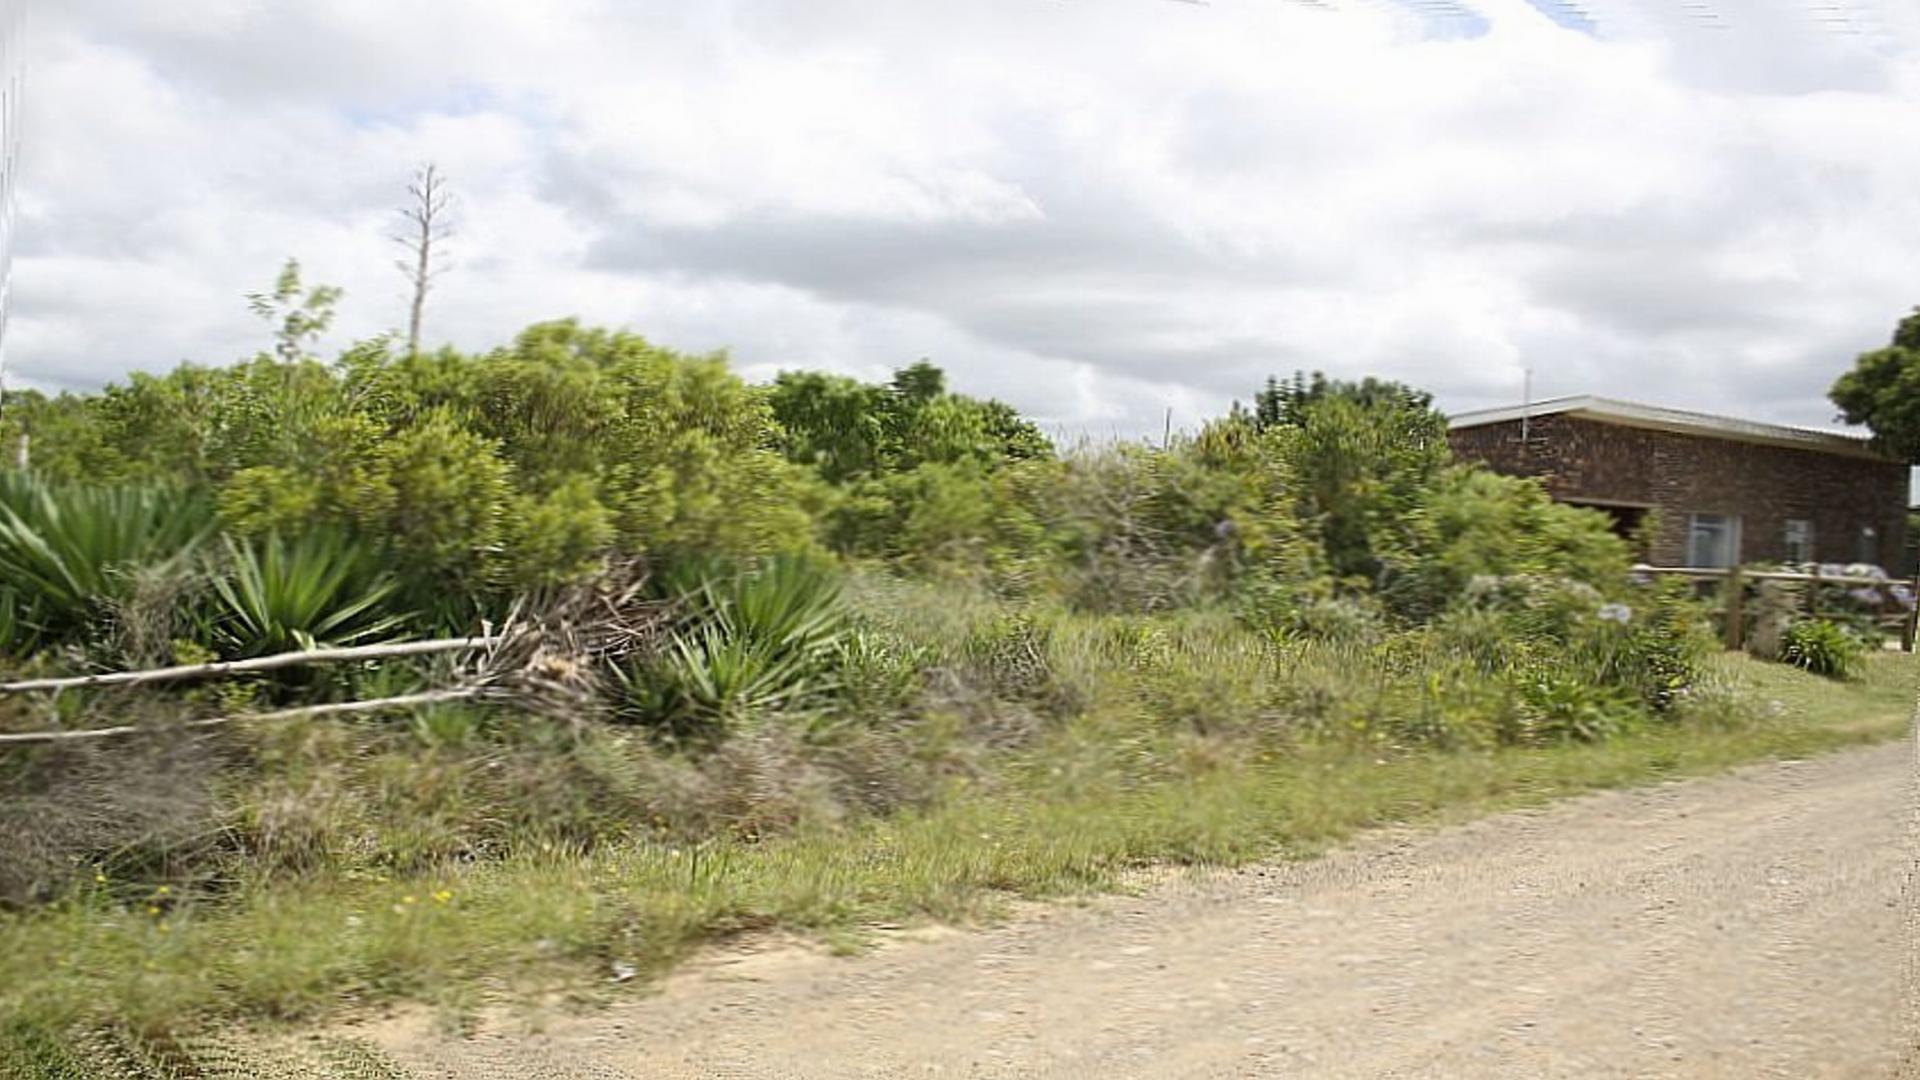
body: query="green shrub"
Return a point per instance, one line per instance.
(1823, 648)
(13, 629)
(1655, 649)
(1651, 647)
(1559, 708)
(1478, 524)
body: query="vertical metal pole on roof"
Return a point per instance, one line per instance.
(1526, 410)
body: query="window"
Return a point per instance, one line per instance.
(1799, 540)
(1713, 540)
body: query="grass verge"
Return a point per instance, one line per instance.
(558, 922)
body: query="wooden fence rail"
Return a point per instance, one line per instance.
(222, 668)
(334, 708)
(1736, 577)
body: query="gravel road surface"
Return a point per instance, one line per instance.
(1755, 924)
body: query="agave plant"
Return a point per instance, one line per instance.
(788, 605)
(754, 642)
(68, 553)
(319, 590)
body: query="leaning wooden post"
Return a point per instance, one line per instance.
(1911, 628)
(1736, 609)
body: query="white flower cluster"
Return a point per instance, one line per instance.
(1619, 613)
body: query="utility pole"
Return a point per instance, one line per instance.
(426, 227)
(13, 15)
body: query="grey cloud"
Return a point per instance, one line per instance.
(1208, 205)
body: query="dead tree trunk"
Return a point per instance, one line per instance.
(425, 214)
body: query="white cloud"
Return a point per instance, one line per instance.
(1097, 209)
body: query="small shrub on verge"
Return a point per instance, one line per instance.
(1823, 648)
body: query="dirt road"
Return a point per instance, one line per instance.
(1757, 924)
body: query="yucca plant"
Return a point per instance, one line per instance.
(321, 589)
(67, 553)
(790, 605)
(759, 641)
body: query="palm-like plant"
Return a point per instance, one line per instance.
(755, 642)
(319, 590)
(67, 553)
(790, 606)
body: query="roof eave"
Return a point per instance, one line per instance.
(1679, 421)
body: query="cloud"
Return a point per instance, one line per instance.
(1097, 209)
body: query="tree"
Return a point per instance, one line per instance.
(1285, 404)
(848, 430)
(1883, 391)
(299, 315)
(835, 424)
(427, 227)
(1362, 467)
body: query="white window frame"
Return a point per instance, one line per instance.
(1730, 540)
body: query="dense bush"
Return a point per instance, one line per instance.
(870, 592)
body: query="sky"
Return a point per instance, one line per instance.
(1101, 211)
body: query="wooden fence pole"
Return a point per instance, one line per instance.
(1736, 604)
(1911, 628)
(1813, 591)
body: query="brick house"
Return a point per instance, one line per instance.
(1726, 490)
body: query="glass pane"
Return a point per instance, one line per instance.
(1710, 541)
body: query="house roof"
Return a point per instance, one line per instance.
(1634, 414)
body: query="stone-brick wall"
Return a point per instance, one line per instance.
(1681, 474)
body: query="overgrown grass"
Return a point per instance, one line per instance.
(540, 922)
